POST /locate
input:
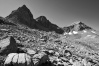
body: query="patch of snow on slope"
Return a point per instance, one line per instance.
(90, 36)
(93, 32)
(70, 33)
(75, 32)
(65, 33)
(84, 31)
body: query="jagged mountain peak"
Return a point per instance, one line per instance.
(42, 18)
(80, 30)
(77, 22)
(77, 26)
(43, 21)
(22, 11)
(24, 8)
(22, 15)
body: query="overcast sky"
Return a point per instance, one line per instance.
(60, 12)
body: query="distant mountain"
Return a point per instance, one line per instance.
(78, 26)
(23, 16)
(80, 30)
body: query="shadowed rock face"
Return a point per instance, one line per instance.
(5, 22)
(7, 46)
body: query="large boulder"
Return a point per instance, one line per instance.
(30, 51)
(42, 59)
(18, 59)
(8, 45)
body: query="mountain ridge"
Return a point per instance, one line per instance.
(24, 16)
(77, 26)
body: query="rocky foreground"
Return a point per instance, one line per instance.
(45, 56)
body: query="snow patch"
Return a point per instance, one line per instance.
(65, 33)
(88, 35)
(91, 36)
(84, 31)
(4, 29)
(75, 32)
(70, 33)
(93, 31)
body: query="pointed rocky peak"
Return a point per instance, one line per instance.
(41, 18)
(22, 11)
(25, 10)
(79, 23)
(22, 16)
(24, 7)
(81, 26)
(47, 25)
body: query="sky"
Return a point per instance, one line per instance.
(60, 12)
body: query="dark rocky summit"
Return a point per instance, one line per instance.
(47, 25)
(23, 16)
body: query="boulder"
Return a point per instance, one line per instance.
(8, 45)
(40, 58)
(18, 59)
(30, 51)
